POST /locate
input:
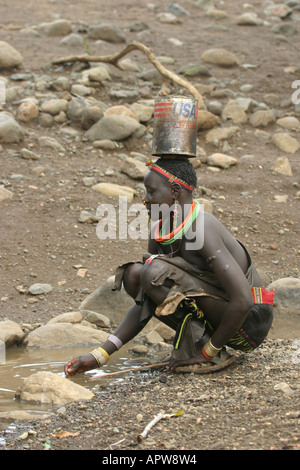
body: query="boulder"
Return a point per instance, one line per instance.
(286, 308)
(10, 333)
(112, 304)
(49, 388)
(54, 335)
(95, 318)
(68, 317)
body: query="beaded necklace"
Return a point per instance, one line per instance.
(180, 230)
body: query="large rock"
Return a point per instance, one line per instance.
(9, 56)
(286, 308)
(10, 130)
(68, 317)
(113, 127)
(10, 333)
(54, 335)
(49, 388)
(113, 304)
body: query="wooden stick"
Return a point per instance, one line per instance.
(155, 420)
(124, 371)
(114, 60)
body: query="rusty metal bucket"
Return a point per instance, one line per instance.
(175, 126)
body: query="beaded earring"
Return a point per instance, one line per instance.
(175, 214)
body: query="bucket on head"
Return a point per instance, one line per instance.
(175, 126)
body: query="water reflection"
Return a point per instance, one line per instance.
(20, 363)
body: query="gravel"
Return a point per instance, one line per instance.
(252, 405)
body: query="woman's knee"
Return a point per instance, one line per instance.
(149, 272)
(131, 279)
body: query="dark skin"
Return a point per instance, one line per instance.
(219, 253)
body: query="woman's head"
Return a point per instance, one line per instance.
(168, 180)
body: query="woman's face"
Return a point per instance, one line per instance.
(159, 196)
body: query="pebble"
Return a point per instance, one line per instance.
(282, 166)
(288, 122)
(262, 118)
(106, 32)
(234, 112)
(220, 57)
(59, 27)
(221, 160)
(36, 289)
(10, 129)
(249, 19)
(27, 111)
(285, 142)
(9, 56)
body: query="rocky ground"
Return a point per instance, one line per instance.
(50, 165)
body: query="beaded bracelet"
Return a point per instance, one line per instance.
(100, 355)
(209, 350)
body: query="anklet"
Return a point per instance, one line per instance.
(100, 355)
(209, 350)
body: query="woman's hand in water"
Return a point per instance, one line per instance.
(80, 364)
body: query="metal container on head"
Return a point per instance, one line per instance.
(175, 126)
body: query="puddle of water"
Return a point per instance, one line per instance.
(19, 363)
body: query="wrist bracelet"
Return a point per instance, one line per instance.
(100, 355)
(116, 341)
(209, 350)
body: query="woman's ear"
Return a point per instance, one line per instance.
(176, 190)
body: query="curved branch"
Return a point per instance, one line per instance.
(115, 58)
